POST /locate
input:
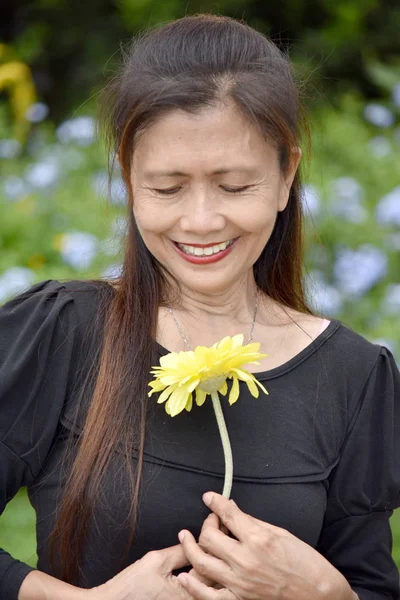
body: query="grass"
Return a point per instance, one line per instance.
(17, 529)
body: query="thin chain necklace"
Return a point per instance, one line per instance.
(187, 345)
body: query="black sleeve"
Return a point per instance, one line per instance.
(36, 341)
(365, 489)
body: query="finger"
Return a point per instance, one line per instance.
(214, 521)
(205, 565)
(220, 545)
(208, 582)
(173, 558)
(199, 591)
(211, 521)
(205, 580)
(230, 514)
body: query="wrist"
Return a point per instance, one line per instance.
(40, 586)
(336, 588)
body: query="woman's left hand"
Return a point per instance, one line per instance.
(265, 562)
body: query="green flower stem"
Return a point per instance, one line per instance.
(226, 445)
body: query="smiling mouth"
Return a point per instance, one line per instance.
(204, 250)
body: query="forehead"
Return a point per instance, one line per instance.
(216, 139)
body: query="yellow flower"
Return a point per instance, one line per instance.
(205, 371)
(16, 79)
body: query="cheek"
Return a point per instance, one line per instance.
(258, 219)
(151, 218)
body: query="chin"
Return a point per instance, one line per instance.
(209, 288)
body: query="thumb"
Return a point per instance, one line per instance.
(173, 558)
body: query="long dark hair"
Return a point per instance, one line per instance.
(187, 64)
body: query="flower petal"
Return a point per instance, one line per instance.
(223, 389)
(156, 386)
(242, 374)
(260, 385)
(189, 403)
(237, 340)
(192, 385)
(169, 360)
(165, 394)
(234, 393)
(253, 388)
(177, 401)
(200, 397)
(180, 374)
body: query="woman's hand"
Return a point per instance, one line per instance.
(213, 522)
(265, 562)
(146, 579)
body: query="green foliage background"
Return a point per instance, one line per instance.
(347, 52)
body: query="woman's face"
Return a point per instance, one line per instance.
(206, 192)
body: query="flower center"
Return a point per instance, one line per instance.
(212, 384)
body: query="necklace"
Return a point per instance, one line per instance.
(187, 345)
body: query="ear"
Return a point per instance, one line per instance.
(288, 177)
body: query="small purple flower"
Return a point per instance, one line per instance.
(112, 271)
(116, 192)
(321, 295)
(15, 188)
(79, 248)
(388, 209)
(43, 175)
(396, 94)
(311, 199)
(118, 195)
(346, 197)
(380, 146)
(69, 157)
(119, 225)
(391, 300)
(81, 131)
(99, 182)
(37, 112)
(14, 281)
(10, 149)
(378, 115)
(357, 271)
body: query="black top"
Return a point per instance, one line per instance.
(319, 456)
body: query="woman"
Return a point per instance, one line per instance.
(205, 121)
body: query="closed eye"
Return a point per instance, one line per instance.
(174, 190)
(236, 190)
(168, 191)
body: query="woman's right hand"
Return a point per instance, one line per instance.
(146, 579)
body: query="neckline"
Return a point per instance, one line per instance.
(292, 362)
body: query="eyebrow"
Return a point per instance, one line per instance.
(240, 169)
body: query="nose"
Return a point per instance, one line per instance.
(202, 213)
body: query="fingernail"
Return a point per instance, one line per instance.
(181, 536)
(207, 498)
(183, 578)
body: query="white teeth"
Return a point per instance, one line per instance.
(209, 251)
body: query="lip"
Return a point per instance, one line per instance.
(203, 245)
(204, 260)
